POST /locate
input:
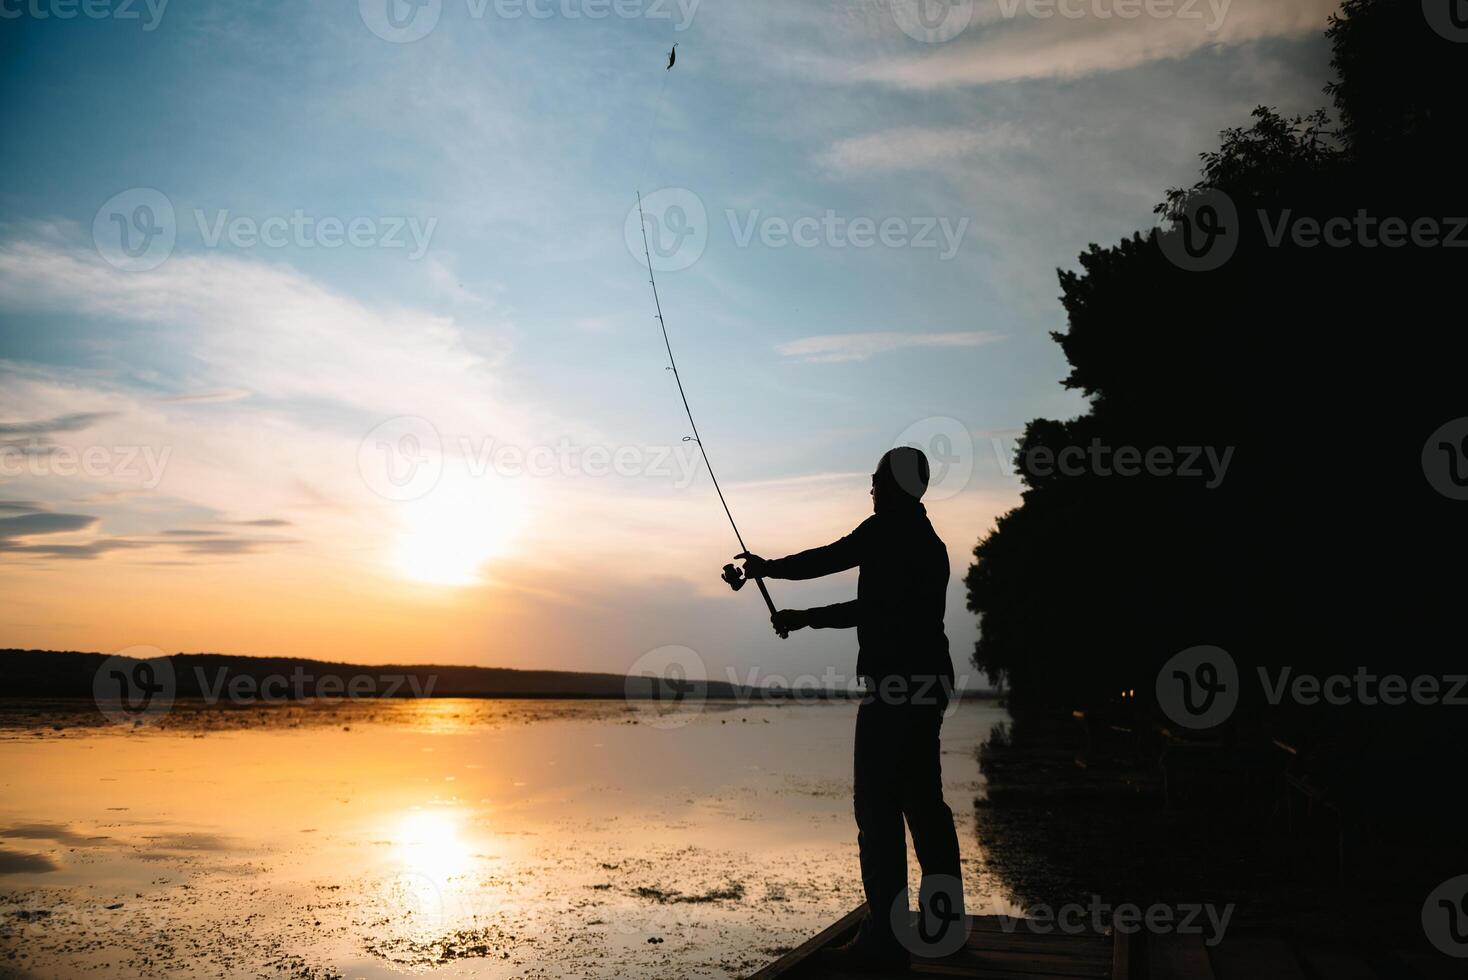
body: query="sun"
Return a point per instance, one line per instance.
(447, 537)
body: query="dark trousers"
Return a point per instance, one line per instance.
(898, 773)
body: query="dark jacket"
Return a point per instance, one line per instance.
(900, 595)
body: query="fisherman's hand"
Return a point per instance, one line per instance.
(754, 565)
(790, 620)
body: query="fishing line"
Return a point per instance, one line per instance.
(652, 129)
(731, 574)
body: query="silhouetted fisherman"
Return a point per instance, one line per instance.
(898, 615)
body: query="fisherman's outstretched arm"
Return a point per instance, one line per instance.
(827, 560)
(840, 616)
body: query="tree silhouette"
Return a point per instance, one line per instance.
(1324, 365)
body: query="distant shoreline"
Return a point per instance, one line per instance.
(229, 680)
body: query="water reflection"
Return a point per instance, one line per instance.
(429, 843)
(443, 838)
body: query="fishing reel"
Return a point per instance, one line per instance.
(734, 576)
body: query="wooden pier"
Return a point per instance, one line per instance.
(1001, 948)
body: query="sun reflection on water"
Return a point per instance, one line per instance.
(429, 842)
(433, 862)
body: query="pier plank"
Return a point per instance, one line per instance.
(1174, 957)
(1000, 948)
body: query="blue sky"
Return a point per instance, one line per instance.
(255, 373)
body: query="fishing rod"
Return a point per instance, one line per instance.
(732, 575)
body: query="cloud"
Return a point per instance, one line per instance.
(231, 546)
(832, 348)
(262, 328)
(75, 422)
(80, 552)
(226, 395)
(24, 525)
(1017, 39)
(914, 147)
(181, 541)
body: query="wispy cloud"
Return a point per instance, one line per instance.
(17, 534)
(831, 348)
(28, 524)
(1012, 40)
(74, 422)
(918, 148)
(227, 395)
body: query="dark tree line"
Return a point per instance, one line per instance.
(1324, 368)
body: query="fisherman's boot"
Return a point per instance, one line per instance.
(868, 954)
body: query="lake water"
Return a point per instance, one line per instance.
(439, 838)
